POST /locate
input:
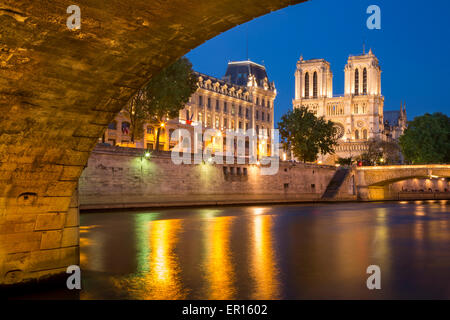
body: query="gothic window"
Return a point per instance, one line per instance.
(315, 85)
(365, 81)
(257, 101)
(356, 82)
(355, 109)
(356, 134)
(307, 85)
(365, 134)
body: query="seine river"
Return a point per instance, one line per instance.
(268, 252)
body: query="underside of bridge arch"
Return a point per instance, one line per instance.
(381, 190)
(59, 89)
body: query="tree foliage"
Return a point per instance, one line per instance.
(427, 139)
(168, 92)
(137, 111)
(381, 152)
(307, 135)
(161, 98)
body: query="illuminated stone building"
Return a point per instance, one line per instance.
(243, 99)
(358, 113)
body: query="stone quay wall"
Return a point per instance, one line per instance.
(118, 177)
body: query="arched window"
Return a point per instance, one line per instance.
(365, 134)
(307, 85)
(356, 82)
(365, 81)
(315, 84)
(356, 135)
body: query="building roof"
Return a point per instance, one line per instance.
(392, 117)
(239, 71)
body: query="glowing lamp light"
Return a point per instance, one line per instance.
(258, 163)
(162, 124)
(319, 162)
(147, 154)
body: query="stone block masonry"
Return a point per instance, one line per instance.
(118, 177)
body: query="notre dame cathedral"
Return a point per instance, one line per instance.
(358, 113)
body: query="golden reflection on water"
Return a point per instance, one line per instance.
(263, 266)
(159, 271)
(218, 266)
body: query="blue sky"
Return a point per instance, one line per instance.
(413, 47)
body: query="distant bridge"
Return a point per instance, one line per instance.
(372, 183)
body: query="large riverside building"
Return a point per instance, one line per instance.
(243, 99)
(358, 113)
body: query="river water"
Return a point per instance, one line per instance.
(303, 251)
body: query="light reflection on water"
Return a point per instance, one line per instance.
(292, 251)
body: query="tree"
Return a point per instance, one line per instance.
(381, 152)
(168, 92)
(307, 135)
(136, 110)
(427, 139)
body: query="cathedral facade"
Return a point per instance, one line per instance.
(358, 113)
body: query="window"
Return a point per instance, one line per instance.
(365, 134)
(209, 103)
(200, 117)
(315, 85)
(112, 142)
(257, 115)
(263, 102)
(356, 82)
(262, 116)
(247, 113)
(356, 134)
(240, 124)
(257, 129)
(257, 101)
(233, 109)
(365, 81)
(355, 109)
(225, 107)
(200, 100)
(112, 125)
(307, 85)
(217, 105)
(150, 130)
(217, 123)
(268, 104)
(268, 117)
(240, 111)
(125, 127)
(225, 123)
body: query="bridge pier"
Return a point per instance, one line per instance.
(37, 244)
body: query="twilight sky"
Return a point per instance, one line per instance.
(413, 47)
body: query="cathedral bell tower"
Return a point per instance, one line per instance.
(313, 79)
(363, 75)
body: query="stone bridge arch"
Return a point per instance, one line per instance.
(372, 182)
(59, 89)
